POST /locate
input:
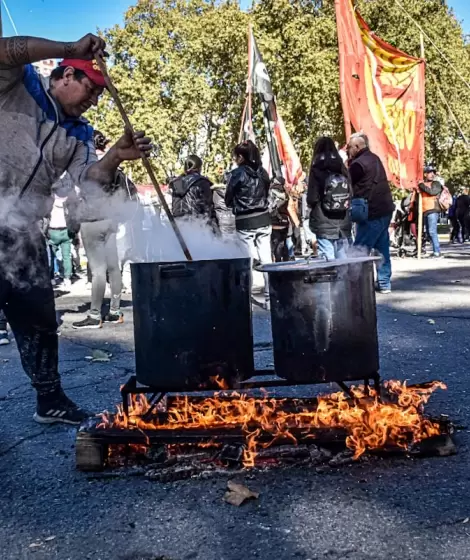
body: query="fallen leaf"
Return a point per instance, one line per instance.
(466, 520)
(238, 493)
(35, 545)
(431, 321)
(440, 332)
(100, 356)
(49, 539)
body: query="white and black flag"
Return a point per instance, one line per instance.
(260, 83)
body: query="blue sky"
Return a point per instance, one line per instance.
(66, 20)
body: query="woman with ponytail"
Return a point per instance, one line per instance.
(248, 196)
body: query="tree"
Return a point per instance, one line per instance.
(180, 67)
(299, 45)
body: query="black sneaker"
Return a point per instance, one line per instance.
(88, 323)
(114, 317)
(62, 410)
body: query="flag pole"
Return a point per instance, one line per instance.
(247, 106)
(420, 196)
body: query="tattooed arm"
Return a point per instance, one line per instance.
(18, 51)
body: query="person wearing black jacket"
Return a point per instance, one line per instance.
(248, 196)
(369, 181)
(280, 220)
(191, 192)
(333, 229)
(223, 214)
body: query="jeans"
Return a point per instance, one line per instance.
(290, 247)
(331, 249)
(307, 237)
(258, 242)
(373, 234)
(60, 239)
(99, 240)
(27, 299)
(431, 230)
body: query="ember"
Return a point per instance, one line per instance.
(370, 423)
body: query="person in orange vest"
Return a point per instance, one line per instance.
(431, 188)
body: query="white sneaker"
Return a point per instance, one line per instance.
(67, 284)
(4, 340)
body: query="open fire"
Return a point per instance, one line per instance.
(395, 421)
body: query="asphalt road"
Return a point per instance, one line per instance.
(379, 510)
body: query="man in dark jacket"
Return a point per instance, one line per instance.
(369, 181)
(430, 189)
(462, 217)
(191, 192)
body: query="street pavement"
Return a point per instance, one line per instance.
(382, 509)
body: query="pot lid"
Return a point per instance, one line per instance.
(313, 264)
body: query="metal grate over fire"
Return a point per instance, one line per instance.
(193, 333)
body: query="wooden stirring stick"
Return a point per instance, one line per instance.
(148, 167)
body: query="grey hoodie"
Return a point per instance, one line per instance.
(38, 142)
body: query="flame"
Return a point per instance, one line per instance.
(369, 422)
(220, 382)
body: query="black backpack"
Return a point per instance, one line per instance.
(337, 194)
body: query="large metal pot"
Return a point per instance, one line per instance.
(324, 321)
(192, 321)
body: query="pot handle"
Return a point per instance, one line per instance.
(176, 271)
(325, 276)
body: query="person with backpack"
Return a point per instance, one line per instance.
(248, 195)
(431, 189)
(191, 194)
(329, 197)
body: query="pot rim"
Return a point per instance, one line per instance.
(309, 265)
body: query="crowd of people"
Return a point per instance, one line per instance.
(58, 175)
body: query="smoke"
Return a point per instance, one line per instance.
(146, 235)
(23, 257)
(142, 234)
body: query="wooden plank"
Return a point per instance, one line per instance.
(90, 454)
(114, 436)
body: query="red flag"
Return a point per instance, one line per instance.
(382, 94)
(292, 168)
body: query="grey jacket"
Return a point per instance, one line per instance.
(38, 143)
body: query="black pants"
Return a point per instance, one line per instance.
(3, 321)
(27, 298)
(279, 246)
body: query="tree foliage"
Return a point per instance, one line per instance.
(180, 67)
